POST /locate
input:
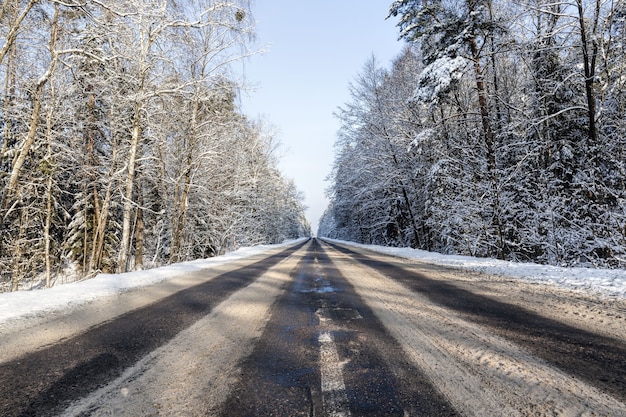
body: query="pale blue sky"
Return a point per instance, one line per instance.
(315, 49)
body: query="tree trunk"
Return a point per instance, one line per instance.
(15, 26)
(16, 275)
(9, 99)
(102, 213)
(181, 211)
(95, 262)
(590, 54)
(139, 229)
(49, 197)
(20, 158)
(489, 140)
(125, 243)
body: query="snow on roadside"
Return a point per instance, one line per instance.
(611, 282)
(33, 302)
(14, 305)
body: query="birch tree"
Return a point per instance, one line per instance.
(17, 187)
(122, 142)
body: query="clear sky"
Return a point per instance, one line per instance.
(314, 50)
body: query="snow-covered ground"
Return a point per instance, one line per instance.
(26, 303)
(610, 282)
(14, 305)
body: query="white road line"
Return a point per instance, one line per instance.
(333, 388)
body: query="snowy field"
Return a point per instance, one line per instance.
(611, 282)
(26, 303)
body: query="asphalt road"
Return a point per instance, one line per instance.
(322, 329)
(324, 352)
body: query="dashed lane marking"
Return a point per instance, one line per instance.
(334, 396)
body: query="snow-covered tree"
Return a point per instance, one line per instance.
(511, 144)
(122, 144)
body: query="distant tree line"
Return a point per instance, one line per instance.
(500, 131)
(122, 145)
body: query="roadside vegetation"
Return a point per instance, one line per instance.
(123, 147)
(498, 132)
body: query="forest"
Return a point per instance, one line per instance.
(123, 147)
(499, 131)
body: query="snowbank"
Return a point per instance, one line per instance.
(601, 281)
(37, 301)
(27, 303)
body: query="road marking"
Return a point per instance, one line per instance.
(334, 396)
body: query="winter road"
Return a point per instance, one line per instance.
(320, 329)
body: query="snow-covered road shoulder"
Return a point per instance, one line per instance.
(609, 282)
(36, 302)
